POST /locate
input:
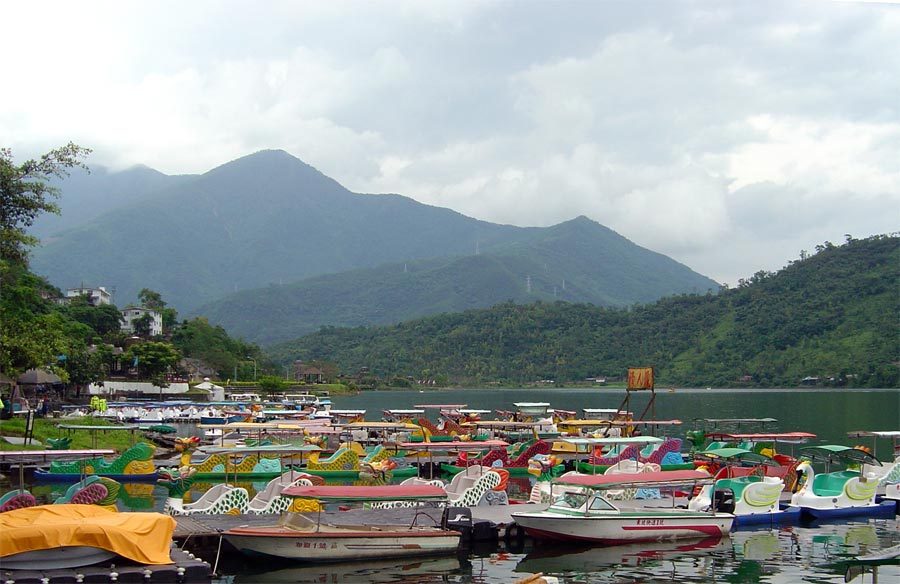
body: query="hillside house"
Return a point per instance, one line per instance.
(132, 313)
(95, 296)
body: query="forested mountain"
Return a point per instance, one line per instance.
(269, 219)
(88, 195)
(833, 314)
(572, 261)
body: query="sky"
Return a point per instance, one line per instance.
(727, 135)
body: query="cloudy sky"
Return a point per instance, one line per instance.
(727, 135)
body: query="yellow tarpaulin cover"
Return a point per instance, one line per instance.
(142, 537)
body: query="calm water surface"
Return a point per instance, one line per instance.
(803, 553)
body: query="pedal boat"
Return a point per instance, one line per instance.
(582, 513)
(308, 539)
(746, 486)
(843, 493)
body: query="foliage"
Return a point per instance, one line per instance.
(270, 384)
(26, 194)
(104, 320)
(832, 315)
(153, 360)
(142, 325)
(153, 300)
(200, 340)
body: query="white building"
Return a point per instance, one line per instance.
(132, 313)
(95, 296)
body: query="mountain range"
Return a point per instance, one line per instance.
(271, 248)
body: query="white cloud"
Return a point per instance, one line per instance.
(726, 135)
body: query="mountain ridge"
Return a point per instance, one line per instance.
(270, 218)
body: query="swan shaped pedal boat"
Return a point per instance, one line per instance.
(842, 493)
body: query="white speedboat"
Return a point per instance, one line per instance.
(298, 537)
(587, 515)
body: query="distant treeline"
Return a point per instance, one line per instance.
(829, 317)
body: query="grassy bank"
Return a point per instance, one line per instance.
(45, 428)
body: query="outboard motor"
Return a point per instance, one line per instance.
(723, 501)
(458, 519)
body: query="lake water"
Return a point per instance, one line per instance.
(811, 552)
(828, 413)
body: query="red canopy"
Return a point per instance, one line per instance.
(379, 493)
(665, 477)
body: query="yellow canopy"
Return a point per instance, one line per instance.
(142, 537)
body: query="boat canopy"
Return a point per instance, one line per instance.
(38, 456)
(456, 445)
(269, 448)
(102, 428)
(381, 426)
(832, 452)
(612, 440)
(333, 493)
(418, 411)
(739, 420)
(737, 455)
(874, 434)
(639, 479)
(795, 437)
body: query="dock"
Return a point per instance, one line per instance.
(185, 569)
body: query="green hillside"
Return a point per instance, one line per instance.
(833, 314)
(571, 261)
(264, 218)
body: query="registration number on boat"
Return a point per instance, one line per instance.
(314, 545)
(650, 521)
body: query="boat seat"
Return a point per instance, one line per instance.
(737, 484)
(832, 484)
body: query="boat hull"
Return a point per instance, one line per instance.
(57, 558)
(617, 528)
(346, 546)
(786, 515)
(885, 508)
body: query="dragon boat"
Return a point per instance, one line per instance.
(135, 464)
(353, 461)
(606, 452)
(514, 458)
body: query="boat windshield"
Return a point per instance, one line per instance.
(570, 500)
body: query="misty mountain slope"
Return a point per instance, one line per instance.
(88, 195)
(576, 261)
(268, 220)
(264, 218)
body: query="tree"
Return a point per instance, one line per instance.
(153, 300)
(26, 194)
(153, 360)
(270, 384)
(142, 325)
(104, 319)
